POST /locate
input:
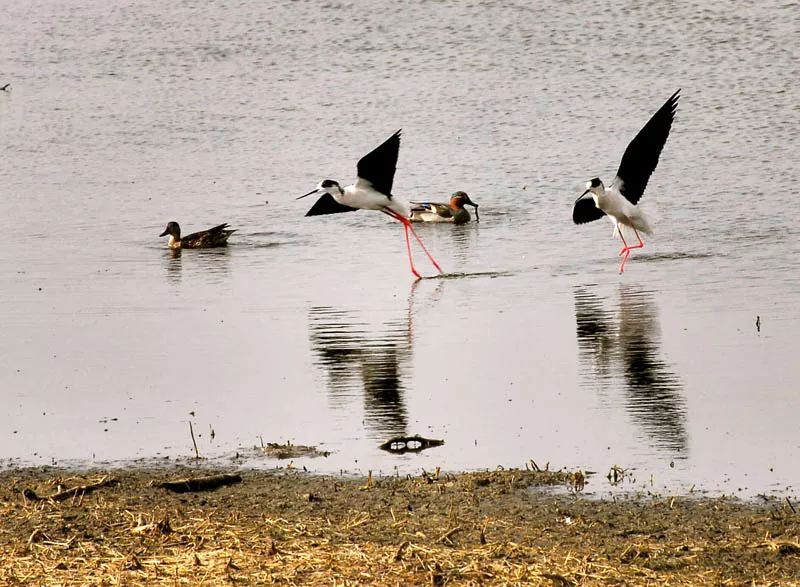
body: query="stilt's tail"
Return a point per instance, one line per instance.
(642, 223)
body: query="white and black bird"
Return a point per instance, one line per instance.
(371, 191)
(619, 201)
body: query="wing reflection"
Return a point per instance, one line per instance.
(625, 345)
(358, 356)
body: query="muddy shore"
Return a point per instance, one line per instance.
(294, 528)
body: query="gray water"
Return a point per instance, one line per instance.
(125, 115)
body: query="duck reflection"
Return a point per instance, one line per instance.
(626, 345)
(212, 264)
(172, 264)
(359, 356)
(465, 237)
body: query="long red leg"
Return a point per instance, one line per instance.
(641, 242)
(407, 226)
(626, 248)
(624, 258)
(408, 248)
(424, 248)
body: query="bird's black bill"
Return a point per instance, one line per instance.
(165, 233)
(583, 194)
(477, 216)
(314, 191)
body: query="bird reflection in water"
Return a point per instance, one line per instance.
(212, 264)
(361, 356)
(464, 237)
(625, 345)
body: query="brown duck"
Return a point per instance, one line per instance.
(453, 212)
(204, 239)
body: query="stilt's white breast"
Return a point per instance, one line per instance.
(362, 195)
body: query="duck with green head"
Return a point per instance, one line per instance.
(453, 211)
(204, 239)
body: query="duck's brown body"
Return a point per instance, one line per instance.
(204, 239)
(454, 212)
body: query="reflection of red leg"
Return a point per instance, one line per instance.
(408, 248)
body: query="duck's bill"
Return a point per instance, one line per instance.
(314, 191)
(165, 233)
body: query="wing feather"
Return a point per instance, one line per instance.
(585, 210)
(641, 156)
(379, 165)
(327, 204)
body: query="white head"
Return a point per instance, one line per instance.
(595, 186)
(327, 186)
(330, 186)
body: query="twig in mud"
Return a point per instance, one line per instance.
(31, 495)
(191, 431)
(193, 484)
(398, 556)
(794, 511)
(576, 481)
(558, 580)
(616, 474)
(445, 538)
(368, 484)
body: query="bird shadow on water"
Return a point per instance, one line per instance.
(462, 275)
(371, 358)
(622, 345)
(670, 256)
(362, 357)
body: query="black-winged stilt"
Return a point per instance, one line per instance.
(371, 191)
(619, 200)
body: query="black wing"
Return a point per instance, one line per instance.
(586, 210)
(641, 156)
(378, 166)
(328, 205)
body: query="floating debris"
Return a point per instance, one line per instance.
(290, 451)
(403, 444)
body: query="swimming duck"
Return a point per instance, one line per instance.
(204, 239)
(437, 212)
